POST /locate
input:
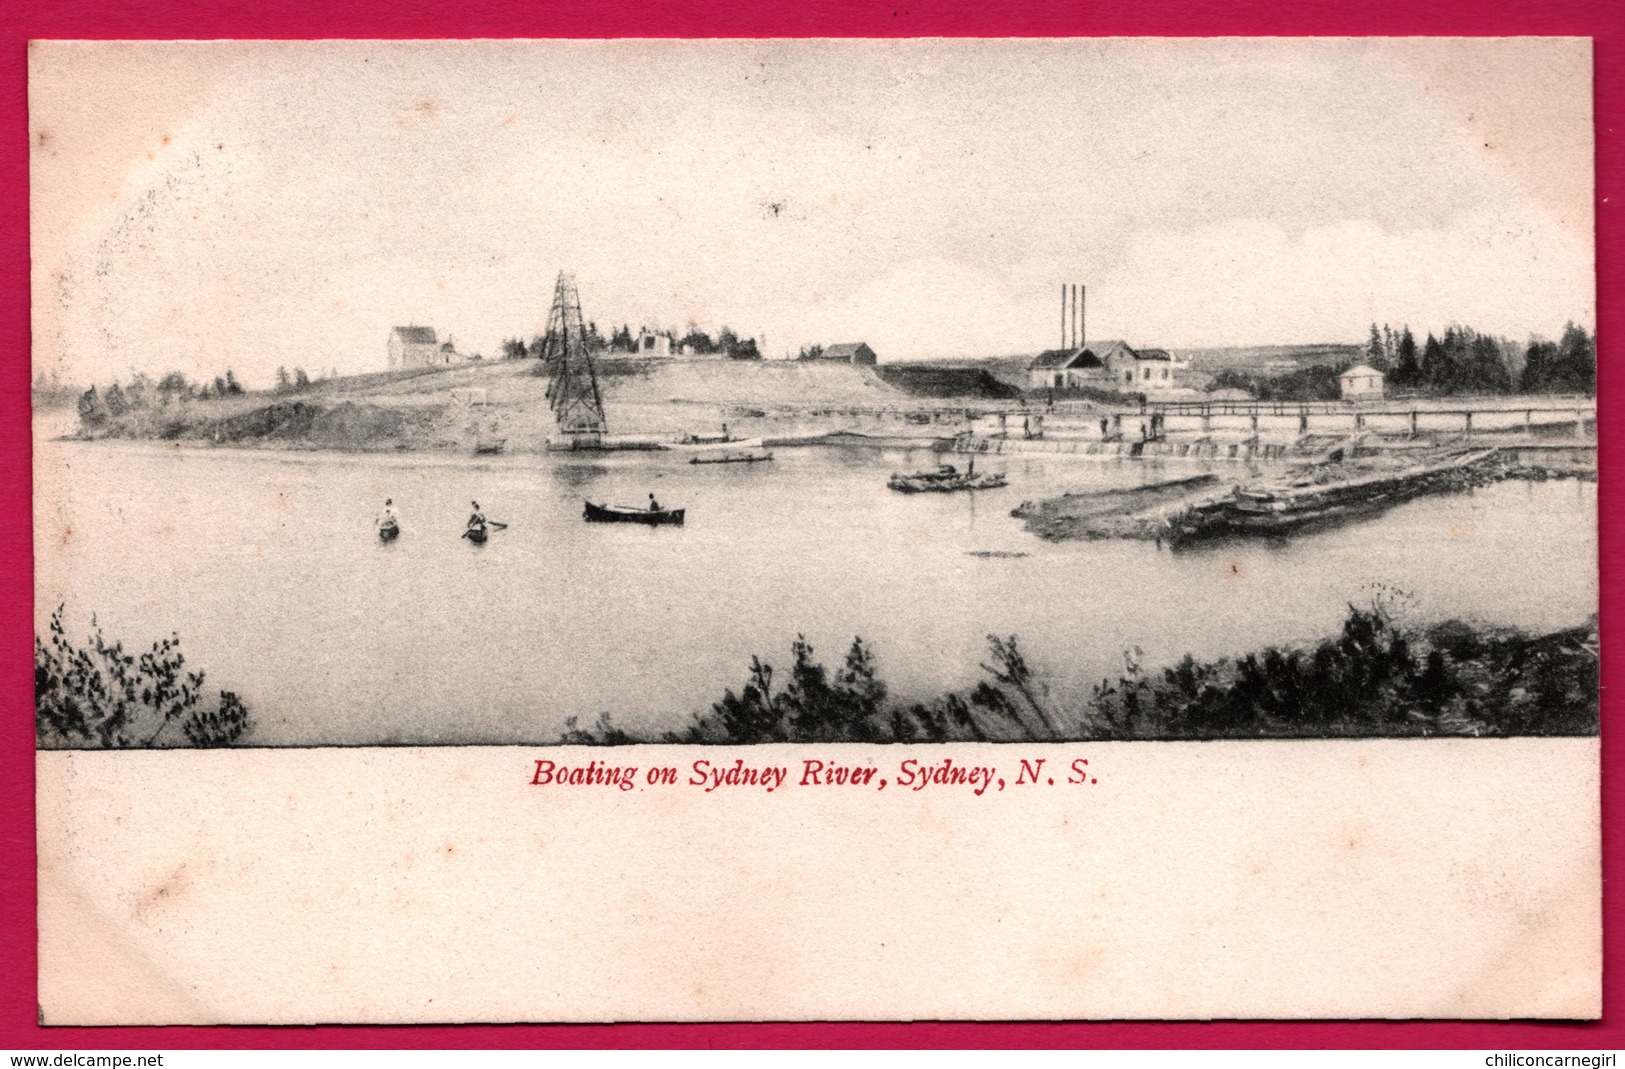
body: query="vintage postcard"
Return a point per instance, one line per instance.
(826, 529)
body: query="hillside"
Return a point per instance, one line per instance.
(1268, 359)
(1204, 363)
(455, 408)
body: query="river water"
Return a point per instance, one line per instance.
(267, 565)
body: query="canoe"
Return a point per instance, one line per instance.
(388, 532)
(626, 514)
(476, 535)
(733, 456)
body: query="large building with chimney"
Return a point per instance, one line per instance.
(1105, 365)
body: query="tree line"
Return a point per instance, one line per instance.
(143, 392)
(1460, 361)
(622, 340)
(1463, 360)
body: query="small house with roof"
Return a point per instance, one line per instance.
(1361, 383)
(413, 347)
(856, 352)
(652, 343)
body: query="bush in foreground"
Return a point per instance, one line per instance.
(99, 696)
(1373, 679)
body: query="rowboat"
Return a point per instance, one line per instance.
(627, 514)
(389, 531)
(944, 480)
(477, 535)
(489, 447)
(732, 456)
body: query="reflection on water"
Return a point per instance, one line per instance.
(268, 566)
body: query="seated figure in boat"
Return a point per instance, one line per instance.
(477, 520)
(654, 506)
(387, 518)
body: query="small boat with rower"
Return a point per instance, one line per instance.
(389, 530)
(652, 517)
(731, 456)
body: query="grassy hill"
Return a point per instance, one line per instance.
(1268, 359)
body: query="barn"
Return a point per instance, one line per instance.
(847, 353)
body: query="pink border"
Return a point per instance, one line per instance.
(294, 19)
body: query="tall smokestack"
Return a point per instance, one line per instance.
(1083, 295)
(1063, 315)
(1072, 337)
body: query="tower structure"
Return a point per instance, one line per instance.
(572, 389)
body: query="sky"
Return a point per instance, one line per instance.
(200, 206)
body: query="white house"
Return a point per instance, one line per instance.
(1361, 383)
(651, 344)
(413, 347)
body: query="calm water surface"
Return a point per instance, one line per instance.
(267, 565)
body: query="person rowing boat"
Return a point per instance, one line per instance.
(478, 527)
(388, 523)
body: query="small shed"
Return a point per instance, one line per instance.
(1361, 383)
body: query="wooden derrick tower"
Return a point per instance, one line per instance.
(572, 388)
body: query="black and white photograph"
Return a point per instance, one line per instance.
(963, 416)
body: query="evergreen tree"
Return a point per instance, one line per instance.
(1483, 371)
(1438, 372)
(1537, 364)
(1407, 371)
(1375, 355)
(595, 340)
(92, 413)
(173, 385)
(698, 339)
(1575, 369)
